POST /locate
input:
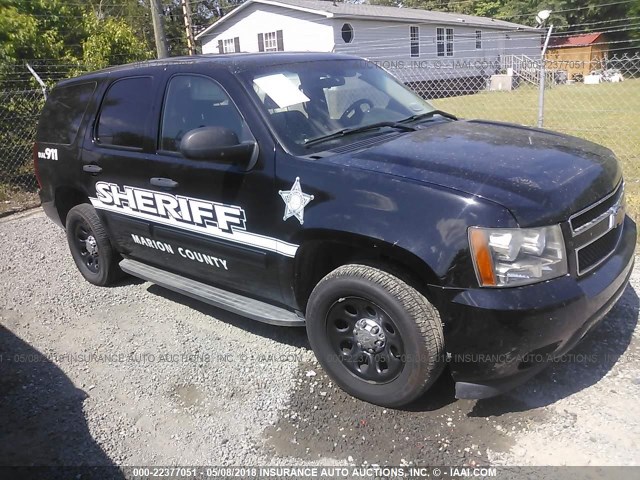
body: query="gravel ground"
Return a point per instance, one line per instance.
(137, 375)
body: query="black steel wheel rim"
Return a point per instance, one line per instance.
(84, 238)
(365, 339)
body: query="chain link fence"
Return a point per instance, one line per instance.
(19, 110)
(598, 100)
(21, 99)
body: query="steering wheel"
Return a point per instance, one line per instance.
(354, 113)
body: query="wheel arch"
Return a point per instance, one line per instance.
(66, 198)
(322, 251)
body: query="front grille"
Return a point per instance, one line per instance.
(595, 253)
(597, 229)
(582, 220)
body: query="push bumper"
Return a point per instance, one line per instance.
(496, 339)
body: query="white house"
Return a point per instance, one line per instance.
(416, 45)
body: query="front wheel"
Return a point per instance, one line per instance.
(376, 336)
(90, 247)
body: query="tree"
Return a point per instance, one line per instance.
(136, 13)
(39, 29)
(111, 41)
(59, 34)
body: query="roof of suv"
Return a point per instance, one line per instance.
(227, 61)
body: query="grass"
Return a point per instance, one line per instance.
(608, 114)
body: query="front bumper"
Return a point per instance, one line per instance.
(498, 338)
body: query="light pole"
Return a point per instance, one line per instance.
(542, 17)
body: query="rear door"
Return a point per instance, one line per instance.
(117, 158)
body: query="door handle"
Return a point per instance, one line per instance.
(163, 182)
(93, 169)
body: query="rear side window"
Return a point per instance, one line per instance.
(124, 114)
(62, 114)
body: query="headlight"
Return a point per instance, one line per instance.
(506, 257)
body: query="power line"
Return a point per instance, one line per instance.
(596, 23)
(574, 9)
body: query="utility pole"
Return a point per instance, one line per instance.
(158, 29)
(186, 13)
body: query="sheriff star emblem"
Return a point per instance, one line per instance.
(295, 200)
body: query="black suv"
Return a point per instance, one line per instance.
(315, 189)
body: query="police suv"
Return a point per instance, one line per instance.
(316, 190)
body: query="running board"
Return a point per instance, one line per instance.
(232, 302)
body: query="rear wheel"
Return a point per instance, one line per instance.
(90, 246)
(375, 335)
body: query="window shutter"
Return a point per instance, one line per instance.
(414, 34)
(236, 44)
(220, 47)
(260, 42)
(280, 40)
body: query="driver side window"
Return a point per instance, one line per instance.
(192, 102)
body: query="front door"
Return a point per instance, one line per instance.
(217, 219)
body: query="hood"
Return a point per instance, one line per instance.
(542, 177)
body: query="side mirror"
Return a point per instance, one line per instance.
(217, 144)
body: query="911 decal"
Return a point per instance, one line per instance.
(208, 218)
(48, 154)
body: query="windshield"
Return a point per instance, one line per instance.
(310, 100)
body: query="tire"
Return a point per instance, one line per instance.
(364, 299)
(100, 267)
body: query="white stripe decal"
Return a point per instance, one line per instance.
(241, 237)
